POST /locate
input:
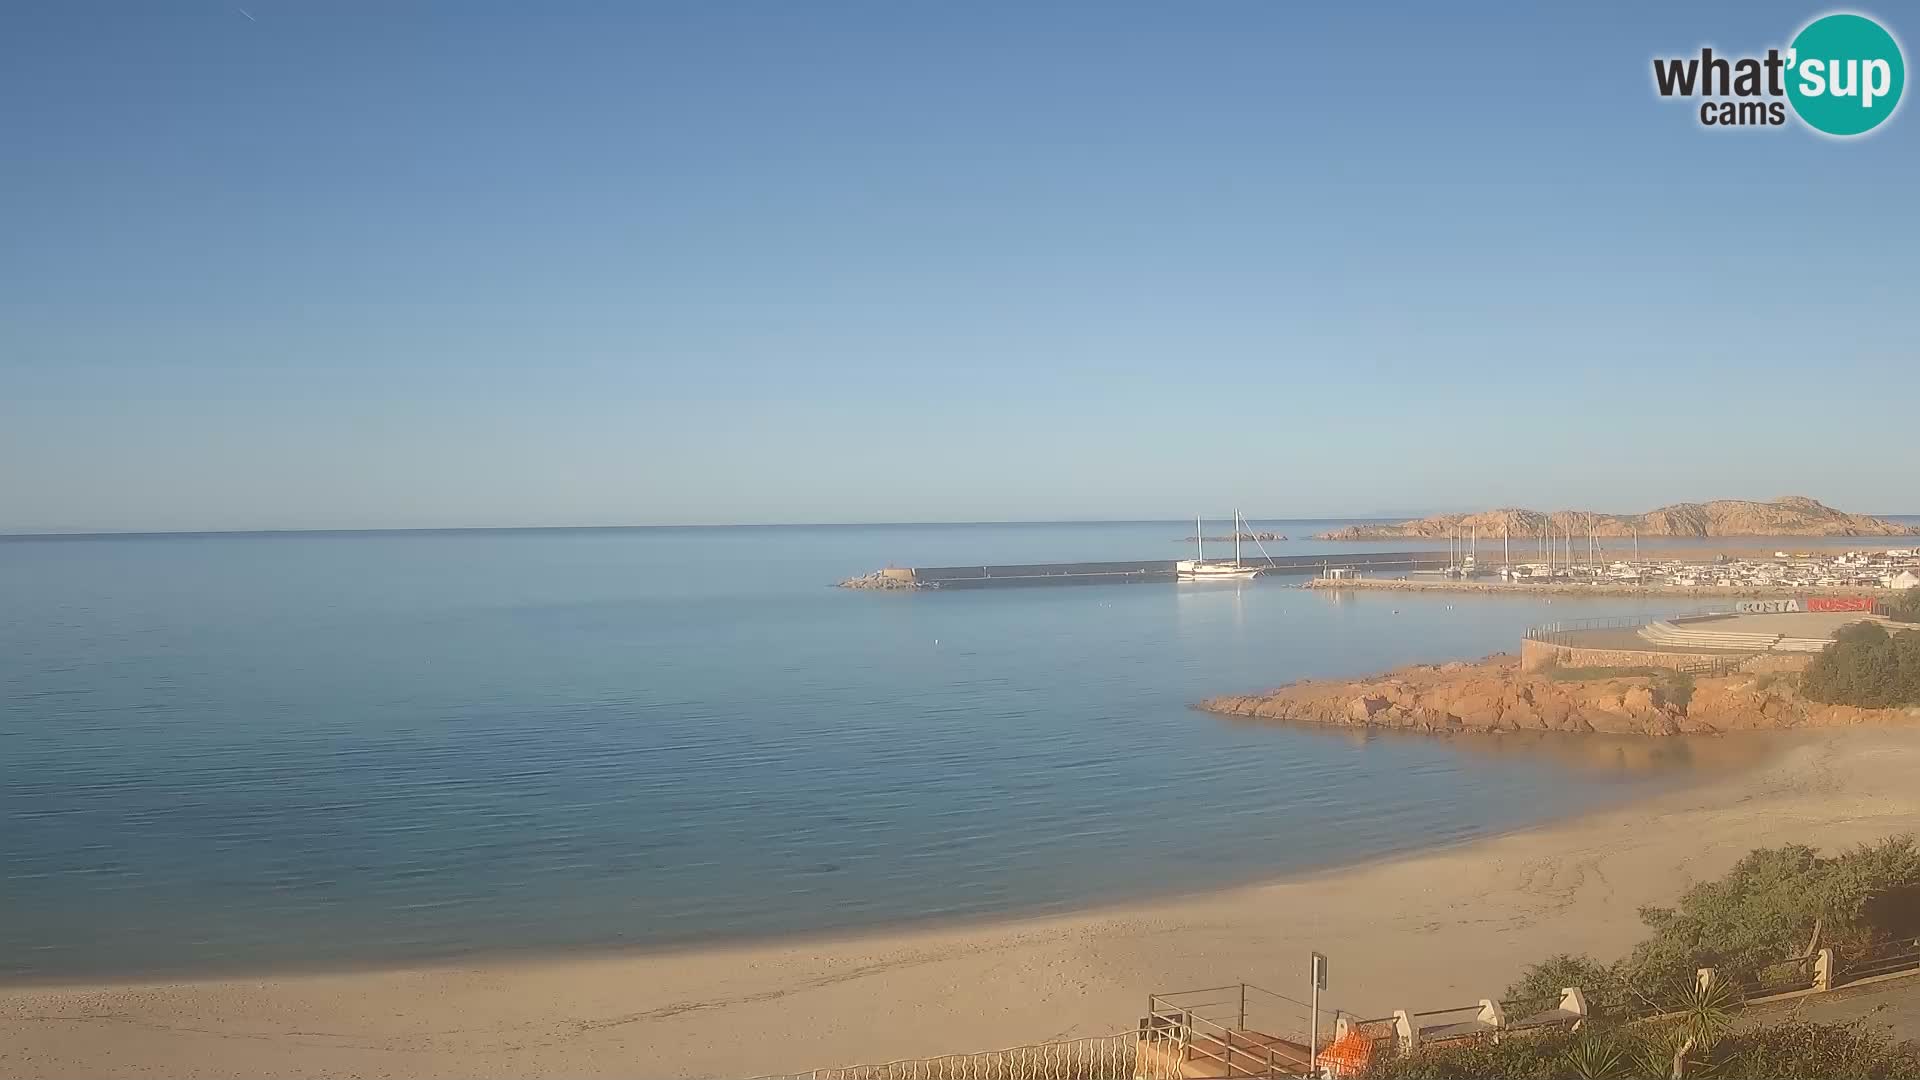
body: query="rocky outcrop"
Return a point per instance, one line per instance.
(890, 578)
(1794, 515)
(1493, 696)
(1245, 537)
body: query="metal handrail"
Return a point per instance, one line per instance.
(1233, 1046)
(1282, 997)
(1525, 1007)
(1179, 1001)
(1541, 631)
(1884, 962)
(1231, 1057)
(1475, 1007)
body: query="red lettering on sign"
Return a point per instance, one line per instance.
(1839, 603)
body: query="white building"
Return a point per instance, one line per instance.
(1905, 579)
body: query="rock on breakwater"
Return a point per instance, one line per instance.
(1493, 696)
(889, 578)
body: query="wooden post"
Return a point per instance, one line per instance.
(1572, 1000)
(1408, 1030)
(1823, 971)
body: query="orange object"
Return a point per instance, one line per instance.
(1348, 1055)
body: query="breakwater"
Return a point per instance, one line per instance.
(1145, 570)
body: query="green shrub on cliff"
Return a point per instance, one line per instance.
(1765, 909)
(1799, 1050)
(1793, 1050)
(1760, 913)
(1772, 906)
(1669, 686)
(1868, 667)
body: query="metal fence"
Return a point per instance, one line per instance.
(1557, 633)
(1781, 978)
(1566, 634)
(1895, 956)
(1239, 1030)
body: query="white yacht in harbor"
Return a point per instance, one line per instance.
(1200, 569)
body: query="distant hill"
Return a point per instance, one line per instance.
(1794, 515)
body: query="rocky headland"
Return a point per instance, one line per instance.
(1492, 696)
(1794, 515)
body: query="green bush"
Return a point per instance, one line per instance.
(1543, 981)
(1535, 1057)
(1764, 910)
(1668, 685)
(1773, 905)
(1791, 1050)
(1760, 913)
(1868, 667)
(1800, 1050)
(1904, 607)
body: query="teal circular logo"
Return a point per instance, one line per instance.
(1845, 74)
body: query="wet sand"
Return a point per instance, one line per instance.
(1436, 929)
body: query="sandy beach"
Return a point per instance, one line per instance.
(1430, 930)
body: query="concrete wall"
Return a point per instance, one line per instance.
(1535, 655)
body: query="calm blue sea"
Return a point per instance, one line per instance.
(232, 751)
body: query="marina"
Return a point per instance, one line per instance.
(1882, 568)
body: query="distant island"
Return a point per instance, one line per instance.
(1794, 515)
(1245, 537)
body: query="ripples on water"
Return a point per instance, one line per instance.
(229, 752)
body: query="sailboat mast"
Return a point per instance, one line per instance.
(1236, 538)
(1199, 541)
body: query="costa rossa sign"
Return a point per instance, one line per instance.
(1839, 603)
(1811, 603)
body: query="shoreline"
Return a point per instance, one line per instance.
(1596, 589)
(1413, 930)
(1533, 743)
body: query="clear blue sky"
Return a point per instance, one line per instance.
(439, 264)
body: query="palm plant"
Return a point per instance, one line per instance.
(1597, 1057)
(1702, 1014)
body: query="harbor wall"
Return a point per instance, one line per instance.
(1535, 655)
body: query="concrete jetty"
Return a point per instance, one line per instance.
(1145, 570)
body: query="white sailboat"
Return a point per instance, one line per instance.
(1199, 569)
